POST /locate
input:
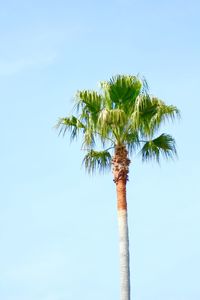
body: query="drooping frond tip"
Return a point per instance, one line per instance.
(97, 160)
(164, 145)
(150, 113)
(71, 124)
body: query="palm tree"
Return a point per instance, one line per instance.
(122, 118)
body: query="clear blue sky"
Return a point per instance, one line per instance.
(58, 226)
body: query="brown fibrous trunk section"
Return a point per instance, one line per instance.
(120, 164)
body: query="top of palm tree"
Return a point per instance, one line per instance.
(122, 113)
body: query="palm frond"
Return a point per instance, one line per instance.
(123, 90)
(97, 160)
(88, 100)
(72, 124)
(145, 86)
(115, 117)
(164, 145)
(162, 112)
(88, 138)
(150, 113)
(131, 140)
(141, 108)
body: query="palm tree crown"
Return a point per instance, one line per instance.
(122, 114)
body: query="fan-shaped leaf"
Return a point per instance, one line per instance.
(72, 124)
(97, 160)
(123, 90)
(163, 145)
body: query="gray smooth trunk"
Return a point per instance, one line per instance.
(124, 254)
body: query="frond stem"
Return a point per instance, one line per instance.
(105, 137)
(109, 148)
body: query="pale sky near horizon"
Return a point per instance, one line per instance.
(58, 226)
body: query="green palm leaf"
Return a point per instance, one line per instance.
(72, 124)
(88, 99)
(132, 141)
(123, 91)
(112, 117)
(97, 160)
(150, 113)
(163, 145)
(88, 103)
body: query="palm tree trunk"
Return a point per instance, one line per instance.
(120, 171)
